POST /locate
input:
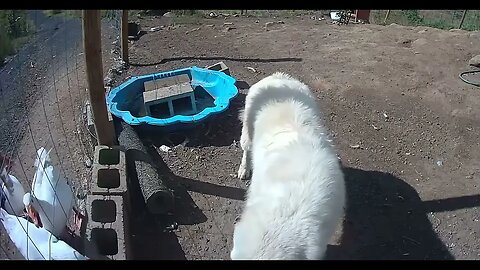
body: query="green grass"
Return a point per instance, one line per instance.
(78, 13)
(182, 14)
(194, 16)
(6, 46)
(442, 19)
(263, 12)
(64, 13)
(14, 30)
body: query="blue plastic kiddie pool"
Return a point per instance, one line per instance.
(213, 91)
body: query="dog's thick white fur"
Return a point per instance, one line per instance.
(296, 196)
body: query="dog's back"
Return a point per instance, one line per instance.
(296, 196)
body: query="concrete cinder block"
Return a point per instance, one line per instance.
(106, 234)
(170, 96)
(109, 174)
(220, 66)
(165, 82)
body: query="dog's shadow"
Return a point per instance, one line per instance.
(385, 219)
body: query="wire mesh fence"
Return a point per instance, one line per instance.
(42, 105)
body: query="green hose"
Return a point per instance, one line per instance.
(469, 72)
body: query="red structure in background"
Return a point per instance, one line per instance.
(362, 14)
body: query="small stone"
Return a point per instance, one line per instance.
(475, 61)
(88, 162)
(169, 15)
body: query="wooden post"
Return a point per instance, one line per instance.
(386, 17)
(92, 42)
(124, 35)
(463, 18)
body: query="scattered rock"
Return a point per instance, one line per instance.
(420, 42)
(193, 30)
(169, 15)
(268, 24)
(474, 34)
(251, 69)
(172, 227)
(475, 61)
(164, 148)
(228, 29)
(108, 80)
(88, 162)
(456, 31)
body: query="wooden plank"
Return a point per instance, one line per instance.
(463, 18)
(125, 35)
(94, 68)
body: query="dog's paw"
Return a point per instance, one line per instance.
(244, 172)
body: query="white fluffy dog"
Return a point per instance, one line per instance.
(297, 193)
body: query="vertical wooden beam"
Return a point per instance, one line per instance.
(92, 42)
(124, 35)
(463, 18)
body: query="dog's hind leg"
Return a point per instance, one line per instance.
(245, 169)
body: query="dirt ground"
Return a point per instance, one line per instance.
(405, 127)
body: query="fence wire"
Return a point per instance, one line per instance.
(43, 104)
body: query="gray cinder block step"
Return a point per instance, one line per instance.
(109, 176)
(106, 234)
